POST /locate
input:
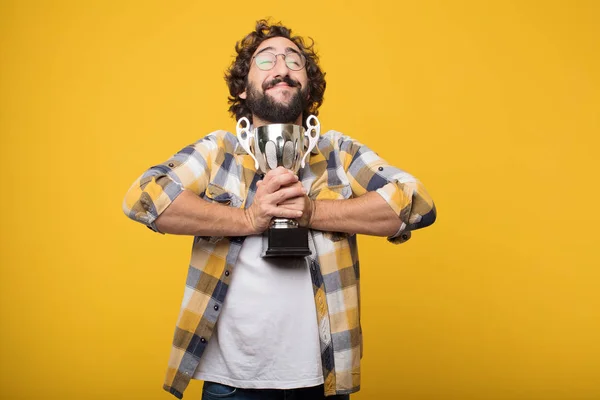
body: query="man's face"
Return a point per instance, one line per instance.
(280, 94)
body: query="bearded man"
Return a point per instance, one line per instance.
(274, 328)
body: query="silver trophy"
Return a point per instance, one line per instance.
(281, 145)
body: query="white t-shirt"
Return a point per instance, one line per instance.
(266, 336)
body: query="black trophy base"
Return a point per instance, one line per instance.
(288, 242)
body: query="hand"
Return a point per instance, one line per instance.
(301, 203)
(277, 187)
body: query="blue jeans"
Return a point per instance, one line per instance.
(215, 391)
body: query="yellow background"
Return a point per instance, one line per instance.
(493, 105)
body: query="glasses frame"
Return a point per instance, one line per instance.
(277, 59)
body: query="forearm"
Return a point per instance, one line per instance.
(368, 214)
(188, 214)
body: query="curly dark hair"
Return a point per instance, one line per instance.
(237, 74)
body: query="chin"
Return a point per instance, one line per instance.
(281, 97)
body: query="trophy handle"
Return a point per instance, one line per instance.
(312, 133)
(244, 135)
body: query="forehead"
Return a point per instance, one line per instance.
(278, 44)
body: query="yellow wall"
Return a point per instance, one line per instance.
(493, 105)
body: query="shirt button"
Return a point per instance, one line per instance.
(216, 307)
(227, 273)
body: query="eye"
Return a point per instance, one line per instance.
(293, 60)
(264, 61)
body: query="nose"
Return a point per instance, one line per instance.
(280, 67)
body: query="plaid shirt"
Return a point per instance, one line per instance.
(218, 170)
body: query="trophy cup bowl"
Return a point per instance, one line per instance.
(281, 145)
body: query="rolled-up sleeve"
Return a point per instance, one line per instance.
(159, 186)
(405, 194)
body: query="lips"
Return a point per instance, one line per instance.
(282, 82)
(280, 85)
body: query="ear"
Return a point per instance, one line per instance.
(243, 95)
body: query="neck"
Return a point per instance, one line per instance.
(256, 122)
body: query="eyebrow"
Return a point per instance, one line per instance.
(265, 49)
(289, 49)
(271, 48)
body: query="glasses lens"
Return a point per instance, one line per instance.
(294, 61)
(265, 61)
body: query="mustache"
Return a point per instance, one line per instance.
(289, 81)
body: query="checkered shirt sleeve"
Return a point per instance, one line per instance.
(405, 194)
(159, 186)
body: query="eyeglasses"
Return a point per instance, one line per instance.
(266, 61)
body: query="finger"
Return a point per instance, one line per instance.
(284, 194)
(293, 202)
(292, 207)
(275, 172)
(286, 213)
(299, 200)
(279, 181)
(297, 184)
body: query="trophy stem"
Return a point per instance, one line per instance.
(283, 223)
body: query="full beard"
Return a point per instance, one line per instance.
(268, 109)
